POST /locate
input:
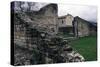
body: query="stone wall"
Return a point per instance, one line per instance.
(81, 27)
(26, 22)
(46, 18)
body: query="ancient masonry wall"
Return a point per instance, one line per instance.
(35, 41)
(81, 27)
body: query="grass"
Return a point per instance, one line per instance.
(86, 46)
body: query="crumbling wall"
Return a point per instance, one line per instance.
(46, 18)
(81, 27)
(35, 41)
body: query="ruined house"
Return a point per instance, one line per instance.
(76, 26)
(65, 24)
(81, 27)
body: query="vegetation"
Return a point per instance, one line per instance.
(86, 46)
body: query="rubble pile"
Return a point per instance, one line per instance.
(45, 49)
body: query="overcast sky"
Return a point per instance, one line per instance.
(86, 12)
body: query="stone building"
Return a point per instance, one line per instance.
(75, 26)
(81, 27)
(65, 24)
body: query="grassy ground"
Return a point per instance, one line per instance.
(86, 46)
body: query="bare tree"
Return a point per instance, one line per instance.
(30, 5)
(21, 7)
(18, 6)
(24, 6)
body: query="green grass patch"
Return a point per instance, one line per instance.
(86, 46)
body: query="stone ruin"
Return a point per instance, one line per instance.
(35, 43)
(45, 50)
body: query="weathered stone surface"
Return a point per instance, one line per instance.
(81, 27)
(36, 42)
(53, 50)
(65, 24)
